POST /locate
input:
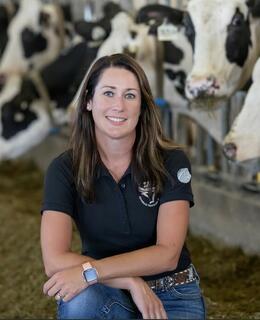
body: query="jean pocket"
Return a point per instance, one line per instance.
(116, 306)
(186, 291)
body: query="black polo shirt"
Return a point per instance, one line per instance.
(124, 216)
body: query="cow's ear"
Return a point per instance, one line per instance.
(254, 6)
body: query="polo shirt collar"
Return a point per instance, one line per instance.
(102, 171)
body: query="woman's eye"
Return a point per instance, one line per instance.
(109, 93)
(130, 96)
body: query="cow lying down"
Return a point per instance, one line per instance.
(243, 140)
(26, 116)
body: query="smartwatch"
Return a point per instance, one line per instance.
(89, 273)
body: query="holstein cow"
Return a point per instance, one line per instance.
(31, 103)
(225, 39)
(139, 39)
(26, 114)
(243, 140)
(35, 37)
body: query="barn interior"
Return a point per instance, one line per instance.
(46, 48)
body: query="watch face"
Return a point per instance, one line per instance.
(90, 274)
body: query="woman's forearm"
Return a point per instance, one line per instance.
(63, 261)
(120, 283)
(70, 259)
(148, 261)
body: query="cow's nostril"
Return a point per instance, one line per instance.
(230, 150)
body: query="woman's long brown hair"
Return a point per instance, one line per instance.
(150, 143)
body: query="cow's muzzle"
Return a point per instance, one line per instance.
(201, 88)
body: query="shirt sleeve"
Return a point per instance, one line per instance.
(59, 189)
(178, 184)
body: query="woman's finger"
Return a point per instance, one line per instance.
(54, 290)
(68, 296)
(161, 314)
(48, 285)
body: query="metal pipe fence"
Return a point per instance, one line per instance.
(205, 152)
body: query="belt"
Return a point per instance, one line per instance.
(174, 279)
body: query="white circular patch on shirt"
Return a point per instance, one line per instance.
(184, 175)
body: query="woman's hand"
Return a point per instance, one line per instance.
(65, 284)
(146, 300)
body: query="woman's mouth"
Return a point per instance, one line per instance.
(116, 119)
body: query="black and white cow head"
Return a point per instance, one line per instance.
(24, 121)
(177, 51)
(225, 39)
(34, 37)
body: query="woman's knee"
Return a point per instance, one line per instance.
(97, 301)
(87, 304)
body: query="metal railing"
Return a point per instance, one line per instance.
(204, 151)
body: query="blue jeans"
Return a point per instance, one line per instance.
(102, 302)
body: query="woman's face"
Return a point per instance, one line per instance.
(116, 104)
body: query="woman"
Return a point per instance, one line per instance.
(128, 190)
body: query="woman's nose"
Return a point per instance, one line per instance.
(118, 103)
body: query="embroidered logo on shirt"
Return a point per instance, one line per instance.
(147, 195)
(184, 175)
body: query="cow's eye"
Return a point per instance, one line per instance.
(44, 19)
(237, 20)
(133, 34)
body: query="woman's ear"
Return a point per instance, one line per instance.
(89, 106)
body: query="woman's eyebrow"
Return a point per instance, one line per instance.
(112, 87)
